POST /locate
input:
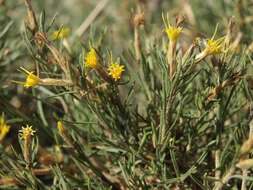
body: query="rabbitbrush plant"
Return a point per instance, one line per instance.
(172, 109)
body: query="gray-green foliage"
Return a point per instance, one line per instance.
(145, 132)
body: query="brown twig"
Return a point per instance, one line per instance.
(8, 181)
(87, 22)
(138, 20)
(225, 179)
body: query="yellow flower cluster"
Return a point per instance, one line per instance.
(26, 132)
(4, 128)
(114, 70)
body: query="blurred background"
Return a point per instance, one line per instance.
(115, 15)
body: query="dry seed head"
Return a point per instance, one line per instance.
(138, 19)
(214, 92)
(40, 39)
(30, 21)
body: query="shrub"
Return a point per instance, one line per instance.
(171, 109)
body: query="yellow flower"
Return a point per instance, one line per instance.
(31, 79)
(115, 70)
(60, 127)
(172, 32)
(4, 128)
(26, 132)
(214, 46)
(60, 34)
(91, 59)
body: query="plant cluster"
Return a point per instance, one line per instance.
(171, 111)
